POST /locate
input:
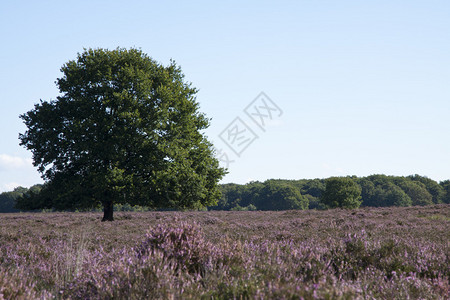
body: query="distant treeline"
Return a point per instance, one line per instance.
(376, 191)
(8, 202)
(281, 194)
(8, 199)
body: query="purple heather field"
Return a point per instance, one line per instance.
(367, 253)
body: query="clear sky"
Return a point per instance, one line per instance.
(362, 87)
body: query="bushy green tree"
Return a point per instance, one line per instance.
(314, 187)
(388, 195)
(341, 192)
(446, 187)
(8, 199)
(381, 191)
(125, 129)
(436, 190)
(238, 195)
(32, 199)
(231, 194)
(280, 196)
(367, 191)
(416, 190)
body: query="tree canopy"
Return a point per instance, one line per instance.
(446, 188)
(124, 129)
(276, 196)
(341, 192)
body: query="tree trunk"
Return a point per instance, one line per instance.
(108, 209)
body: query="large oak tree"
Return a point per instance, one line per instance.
(124, 129)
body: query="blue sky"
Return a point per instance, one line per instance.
(363, 86)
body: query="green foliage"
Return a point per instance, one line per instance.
(8, 199)
(275, 196)
(235, 195)
(383, 194)
(376, 191)
(341, 192)
(395, 196)
(125, 129)
(314, 187)
(270, 195)
(382, 190)
(231, 194)
(446, 187)
(417, 191)
(436, 190)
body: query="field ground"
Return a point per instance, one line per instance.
(381, 253)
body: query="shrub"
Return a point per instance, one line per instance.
(183, 245)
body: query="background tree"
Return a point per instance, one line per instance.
(416, 190)
(312, 189)
(8, 199)
(387, 194)
(341, 192)
(367, 191)
(231, 196)
(280, 196)
(446, 187)
(125, 129)
(381, 191)
(436, 190)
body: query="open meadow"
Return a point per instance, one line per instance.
(367, 253)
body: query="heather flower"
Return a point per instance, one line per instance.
(334, 254)
(182, 244)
